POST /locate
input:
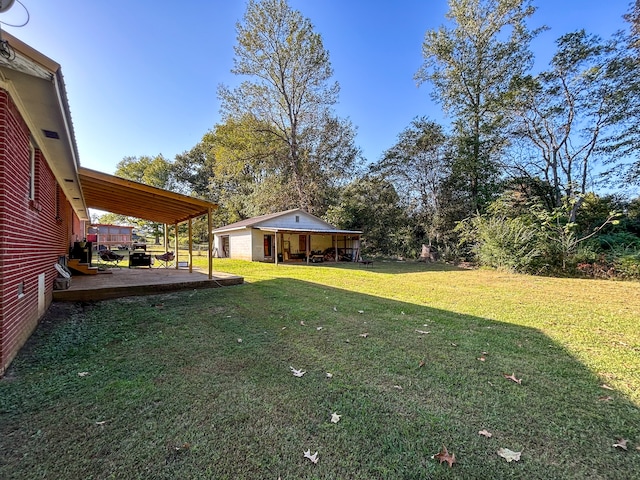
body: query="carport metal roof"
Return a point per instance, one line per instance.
(126, 197)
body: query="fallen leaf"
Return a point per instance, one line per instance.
(421, 364)
(444, 456)
(509, 455)
(397, 387)
(454, 344)
(361, 311)
(335, 309)
(101, 423)
(606, 387)
(83, 374)
(485, 433)
(313, 458)
(638, 448)
(422, 332)
(318, 328)
(513, 378)
(482, 359)
(329, 375)
(605, 398)
(364, 335)
(302, 323)
(402, 313)
(335, 418)
(297, 373)
(239, 340)
(284, 328)
(621, 443)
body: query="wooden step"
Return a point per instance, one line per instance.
(84, 268)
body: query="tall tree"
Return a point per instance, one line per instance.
(577, 112)
(471, 65)
(418, 166)
(289, 94)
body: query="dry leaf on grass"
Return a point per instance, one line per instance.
(83, 374)
(485, 433)
(422, 332)
(513, 378)
(335, 418)
(605, 398)
(364, 335)
(318, 328)
(361, 311)
(329, 375)
(482, 358)
(297, 373)
(621, 443)
(509, 455)
(239, 340)
(313, 458)
(302, 323)
(421, 364)
(445, 456)
(606, 387)
(397, 387)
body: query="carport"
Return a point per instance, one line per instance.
(126, 197)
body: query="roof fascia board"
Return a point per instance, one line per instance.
(105, 177)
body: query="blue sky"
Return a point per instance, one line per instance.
(142, 75)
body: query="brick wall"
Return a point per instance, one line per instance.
(34, 233)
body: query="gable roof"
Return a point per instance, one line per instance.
(269, 222)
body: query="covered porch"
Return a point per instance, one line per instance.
(310, 246)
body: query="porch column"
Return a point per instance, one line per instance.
(175, 230)
(276, 246)
(210, 235)
(190, 246)
(165, 230)
(308, 247)
(335, 246)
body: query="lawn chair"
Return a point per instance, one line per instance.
(165, 260)
(110, 258)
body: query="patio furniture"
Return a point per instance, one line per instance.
(166, 259)
(110, 258)
(140, 259)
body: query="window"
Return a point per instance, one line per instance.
(297, 218)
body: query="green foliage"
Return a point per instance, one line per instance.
(371, 205)
(502, 242)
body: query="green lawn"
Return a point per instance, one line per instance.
(198, 384)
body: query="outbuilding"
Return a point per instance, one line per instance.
(292, 235)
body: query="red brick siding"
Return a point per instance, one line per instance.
(31, 237)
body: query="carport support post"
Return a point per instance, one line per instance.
(335, 245)
(276, 246)
(190, 246)
(308, 244)
(210, 230)
(175, 229)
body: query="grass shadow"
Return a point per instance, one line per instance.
(198, 385)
